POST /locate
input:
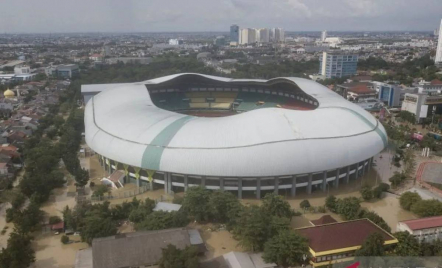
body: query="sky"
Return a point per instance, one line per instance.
(44, 16)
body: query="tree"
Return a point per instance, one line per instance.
(159, 220)
(197, 203)
(305, 204)
(81, 177)
(348, 207)
(54, 220)
(100, 190)
(224, 207)
(18, 253)
(407, 245)
(286, 249)
(408, 199)
(374, 217)
(253, 227)
(427, 208)
(366, 193)
(275, 205)
(140, 212)
(172, 257)
(331, 203)
(397, 179)
(372, 246)
(96, 226)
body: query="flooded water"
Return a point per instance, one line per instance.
(51, 253)
(390, 210)
(218, 242)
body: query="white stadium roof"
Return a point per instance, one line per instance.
(124, 125)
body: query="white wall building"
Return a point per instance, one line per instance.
(264, 35)
(424, 230)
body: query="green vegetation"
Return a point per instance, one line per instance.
(64, 239)
(19, 252)
(372, 246)
(408, 199)
(305, 204)
(272, 70)
(100, 190)
(286, 249)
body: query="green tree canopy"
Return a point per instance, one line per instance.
(408, 199)
(286, 249)
(275, 205)
(372, 246)
(348, 207)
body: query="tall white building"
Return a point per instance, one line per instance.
(323, 35)
(248, 36)
(264, 35)
(438, 59)
(277, 35)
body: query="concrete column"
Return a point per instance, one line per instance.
(239, 188)
(324, 181)
(169, 182)
(336, 184)
(258, 188)
(363, 168)
(309, 185)
(166, 187)
(221, 184)
(186, 183)
(357, 169)
(347, 176)
(276, 185)
(203, 181)
(151, 185)
(293, 191)
(370, 162)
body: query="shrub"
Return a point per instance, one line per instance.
(321, 209)
(330, 203)
(305, 204)
(100, 190)
(367, 193)
(92, 184)
(408, 199)
(64, 239)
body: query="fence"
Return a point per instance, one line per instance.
(113, 196)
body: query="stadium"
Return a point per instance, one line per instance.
(247, 136)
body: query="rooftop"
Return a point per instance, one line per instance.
(424, 223)
(136, 249)
(342, 235)
(326, 219)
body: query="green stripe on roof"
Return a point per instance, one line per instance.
(154, 151)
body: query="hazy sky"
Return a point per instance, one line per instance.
(217, 15)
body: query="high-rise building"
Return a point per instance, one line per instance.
(323, 35)
(220, 41)
(264, 35)
(438, 59)
(234, 33)
(277, 35)
(248, 36)
(243, 36)
(338, 64)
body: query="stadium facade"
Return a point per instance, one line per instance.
(241, 135)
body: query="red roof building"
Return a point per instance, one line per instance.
(337, 242)
(425, 229)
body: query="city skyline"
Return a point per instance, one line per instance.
(197, 16)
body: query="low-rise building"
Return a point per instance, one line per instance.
(139, 249)
(338, 242)
(422, 105)
(424, 230)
